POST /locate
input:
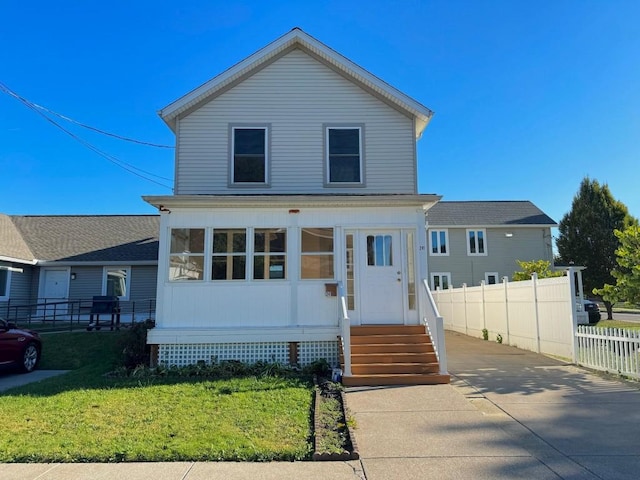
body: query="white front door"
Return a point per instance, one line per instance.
(381, 279)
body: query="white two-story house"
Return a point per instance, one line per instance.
(295, 182)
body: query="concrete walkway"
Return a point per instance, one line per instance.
(508, 414)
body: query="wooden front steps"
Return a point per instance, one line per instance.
(392, 355)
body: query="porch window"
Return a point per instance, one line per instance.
(379, 251)
(440, 280)
(476, 243)
(439, 241)
(229, 259)
(115, 282)
(186, 257)
(344, 155)
(269, 257)
(316, 253)
(249, 155)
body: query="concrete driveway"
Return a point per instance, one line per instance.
(508, 414)
(11, 380)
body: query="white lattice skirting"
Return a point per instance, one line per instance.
(189, 354)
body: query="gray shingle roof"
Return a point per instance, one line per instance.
(481, 213)
(11, 242)
(90, 238)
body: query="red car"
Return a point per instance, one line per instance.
(19, 348)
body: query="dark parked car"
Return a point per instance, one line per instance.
(593, 309)
(19, 348)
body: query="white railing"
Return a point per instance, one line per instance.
(345, 330)
(435, 325)
(613, 350)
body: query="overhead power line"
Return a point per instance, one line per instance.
(120, 163)
(10, 92)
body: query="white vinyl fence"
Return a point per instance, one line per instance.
(541, 316)
(536, 315)
(613, 350)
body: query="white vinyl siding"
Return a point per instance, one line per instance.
(296, 95)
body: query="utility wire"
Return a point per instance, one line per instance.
(120, 163)
(10, 92)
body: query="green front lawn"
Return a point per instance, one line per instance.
(617, 324)
(86, 416)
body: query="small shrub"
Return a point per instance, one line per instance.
(485, 334)
(318, 367)
(135, 349)
(499, 338)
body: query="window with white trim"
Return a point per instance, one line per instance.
(116, 281)
(5, 282)
(316, 253)
(269, 254)
(439, 242)
(344, 155)
(491, 278)
(229, 257)
(476, 242)
(249, 155)
(186, 254)
(440, 280)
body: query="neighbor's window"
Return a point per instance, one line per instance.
(115, 282)
(379, 251)
(316, 253)
(229, 260)
(5, 282)
(249, 155)
(476, 242)
(344, 154)
(439, 242)
(440, 281)
(269, 256)
(186, 257)
(491, 278)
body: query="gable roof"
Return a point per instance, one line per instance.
(489, 213)
(296, 38)
(90, 238)
(12, 245)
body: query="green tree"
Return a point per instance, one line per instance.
(587, 235)
(627, 274)
(541, 267)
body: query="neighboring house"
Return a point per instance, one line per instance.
(471, 242)
(71, 257)
(295, 170)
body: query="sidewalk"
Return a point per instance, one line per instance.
(508, 414)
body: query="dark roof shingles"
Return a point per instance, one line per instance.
(487, 213)
(91, 238)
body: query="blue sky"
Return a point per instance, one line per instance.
(530, 97)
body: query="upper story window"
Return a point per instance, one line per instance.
(249, 155)
(476, 242)
(186, 255)
(439, 242)
(115, 282)
(344, 160)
